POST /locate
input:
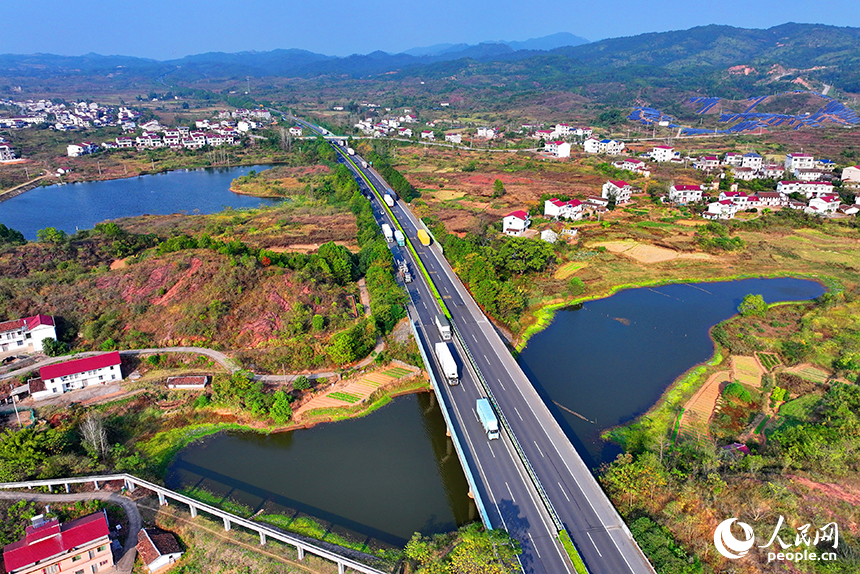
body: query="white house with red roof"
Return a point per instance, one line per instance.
(428, 135)
(851, 174)
(723, 209)
(796, 161)
(572, 209)
(739, 198)
(662, 153)
(515, 223)
(733, 159)
(296, 131)
(685, 193)
(744, 173)
(22, 335)
(630, 164)
(454, 138)
(82, 545)
(620, 191)
(805, 174)
(591, 145)
(807, 188)
(557, 148)
(707, 162)
(79, 373)
(79, 149)
(825, 204)
(771, 198)
(486, 133)
(562, 130)
(772, 171)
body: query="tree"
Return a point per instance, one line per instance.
(575, 286)
(753, 306)
(281, 411)
(53, 347)
(318, 322)
(301, 383)
(52, 235)
(498, 189)
(94, 435)
(11, 236)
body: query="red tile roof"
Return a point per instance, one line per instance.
(79, 365)
(31, 322)
(52, 539)
(619, 183)
(520, 214)
(687, 187)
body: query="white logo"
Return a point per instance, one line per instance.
(728, 545)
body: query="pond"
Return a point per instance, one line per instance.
(81, 205)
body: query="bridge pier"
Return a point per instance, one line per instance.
(193, 511)
(50, 488)
(67, 488)
(341, 569)
(96, 484)
(301, 552)
(262, 538)
(162, 500)
(226, 523)
(129, 485)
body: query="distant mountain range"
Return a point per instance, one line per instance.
(702, 59)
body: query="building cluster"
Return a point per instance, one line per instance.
(558, 132)
(80, 115)
(25, 335)
(156, 136)
(604, 146)
(387, 127)
(750, 166)
(6, 151)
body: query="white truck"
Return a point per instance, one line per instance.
(399, 237)
(389, 200)
(488, 418)
(364, 164)
(446, 361)
(350, 151)
(444, 326)
(387, 232)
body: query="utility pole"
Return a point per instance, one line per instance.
(99, 163)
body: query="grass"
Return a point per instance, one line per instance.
(568, 269)
(677, 426)
(761, 425)
(164, 446)
(397, 372)
(578, 564)
(769, 360)
(218, 501)
(801, 408)
(346, 397)
(747, 371)
(812, 374)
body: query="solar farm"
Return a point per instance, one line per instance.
(832, 112)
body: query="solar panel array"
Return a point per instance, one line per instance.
(651, 116)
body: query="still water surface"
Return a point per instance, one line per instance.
(385, 476)
(611, 359)
(82, 205)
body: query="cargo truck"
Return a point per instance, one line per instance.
(350, 151)
(364, 164)
(488, 418)
(386, 231)
(424, 237)
(399, 237)
(446, 361)
(444, 327)
(389, 200)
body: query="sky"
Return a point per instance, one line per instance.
(167, 29)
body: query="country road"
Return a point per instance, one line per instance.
(129, 552)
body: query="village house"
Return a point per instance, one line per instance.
(83, 148)
(188, 382)
(771, 198)
(796, 161)
(572, 209)
(707, 163)
(557, 148)
(733, 159)
(26, 335)
(549, 236)
(682, 194)
(744, 173)
(851, 174)
(824, 205)
(739, 198)
(296, 131)
(428, 135)
(79, 373)
(582, 132)
(809, 174)
(81, 545)
(620, 191)
(544, 135)
(662, 153)
(454, 138)
(772, 171)
(515, 223)
(562, 130)
(597, 200)
(723, 209)
(611, 147)
(6, 152)
(825, 164)
(404, 132)
(751, 160)
(807, 188)
(157, 548)
(591, 145)
(486, 133)
(845, 209)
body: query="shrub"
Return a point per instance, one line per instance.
(737, 393)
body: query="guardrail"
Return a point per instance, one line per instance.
(131, 482)
(458, 447)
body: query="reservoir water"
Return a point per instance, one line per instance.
(82, 205)
(611, 359)
(383, 476)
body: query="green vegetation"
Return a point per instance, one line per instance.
(801, 409)
(661, 548)
(738, 393)
(346, 397)
(572, 553)
(714, 236)
(10, 236)
(471, 549)
(769, 360)
(753, 306)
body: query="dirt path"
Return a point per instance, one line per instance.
(700, 407)
(129, 551)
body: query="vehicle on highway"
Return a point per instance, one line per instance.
(444, 326)
(488, 418)
(424, 237)
(399, 237)
(446, 361)
(389, 200)
(387, 232)
(364, 164)
(350, 151)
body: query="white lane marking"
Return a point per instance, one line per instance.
(473, 338)
(595, 545)
(514, 500)
(533, 544)
(486, 359)
(489, 446)
(539, 450)
(562, 491)
(518, 413)
(424, 303)
(504, 389)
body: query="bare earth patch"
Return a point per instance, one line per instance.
(645, 253)
(746, 370)
(118, 264)
(700, 407)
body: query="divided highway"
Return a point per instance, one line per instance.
(512, 498)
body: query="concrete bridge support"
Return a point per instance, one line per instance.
(301, 552)
(162, 500)
(262, 538)
(226, 523)
(193, 511)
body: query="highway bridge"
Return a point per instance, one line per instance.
(532, 482)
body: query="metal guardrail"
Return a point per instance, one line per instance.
(458, 447)
(264, 530)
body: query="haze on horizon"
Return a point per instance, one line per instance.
(167, 29)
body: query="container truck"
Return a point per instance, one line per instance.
(424, 237)
(444, 327)
(389, 200)
(446, 361)
(350, 151)
(399, 237)
(488, 418)
(386, 231)
(403, 267)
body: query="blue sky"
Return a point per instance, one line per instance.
(165, 29)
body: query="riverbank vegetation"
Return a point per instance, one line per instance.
(782, 443)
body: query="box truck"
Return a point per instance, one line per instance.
(350, 151)
(444, 327)
(446, 361)
(424, 237)
(389, 200)
(399, 237)
(488, 418)
(386, 231)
